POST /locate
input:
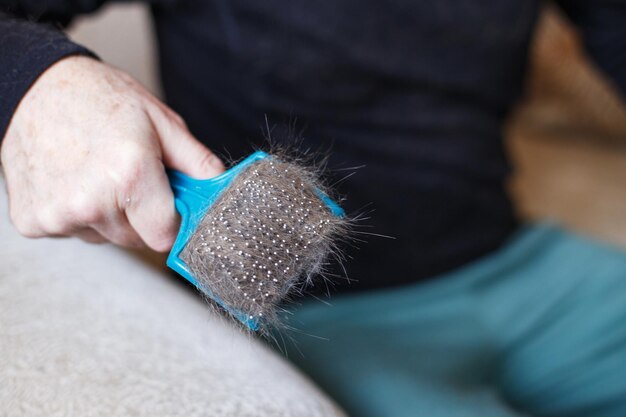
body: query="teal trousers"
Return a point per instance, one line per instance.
(537, 328)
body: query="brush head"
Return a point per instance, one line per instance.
(264, 238)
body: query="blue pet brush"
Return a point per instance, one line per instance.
(258, 180)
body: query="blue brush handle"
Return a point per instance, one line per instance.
(193, 198)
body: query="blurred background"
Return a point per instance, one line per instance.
(567, 139)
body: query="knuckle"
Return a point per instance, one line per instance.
(51, 222)
(132, 166)
(131, 155)
(86, 210)
(25, 225)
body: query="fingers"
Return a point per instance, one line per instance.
(181, 151)
(131, 206)
(150, 210)
(82, 222)
(117, 229)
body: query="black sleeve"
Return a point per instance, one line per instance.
(603, 27)
(27, 49)
(58, 12)
(30, 42)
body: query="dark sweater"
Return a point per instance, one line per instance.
(417, 91)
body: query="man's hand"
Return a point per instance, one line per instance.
(84, 156)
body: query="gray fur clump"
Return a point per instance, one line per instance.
(264, 239)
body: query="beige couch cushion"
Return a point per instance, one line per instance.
(90, 330)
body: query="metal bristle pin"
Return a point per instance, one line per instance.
(262, 230)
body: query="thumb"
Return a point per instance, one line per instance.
(183, 152)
